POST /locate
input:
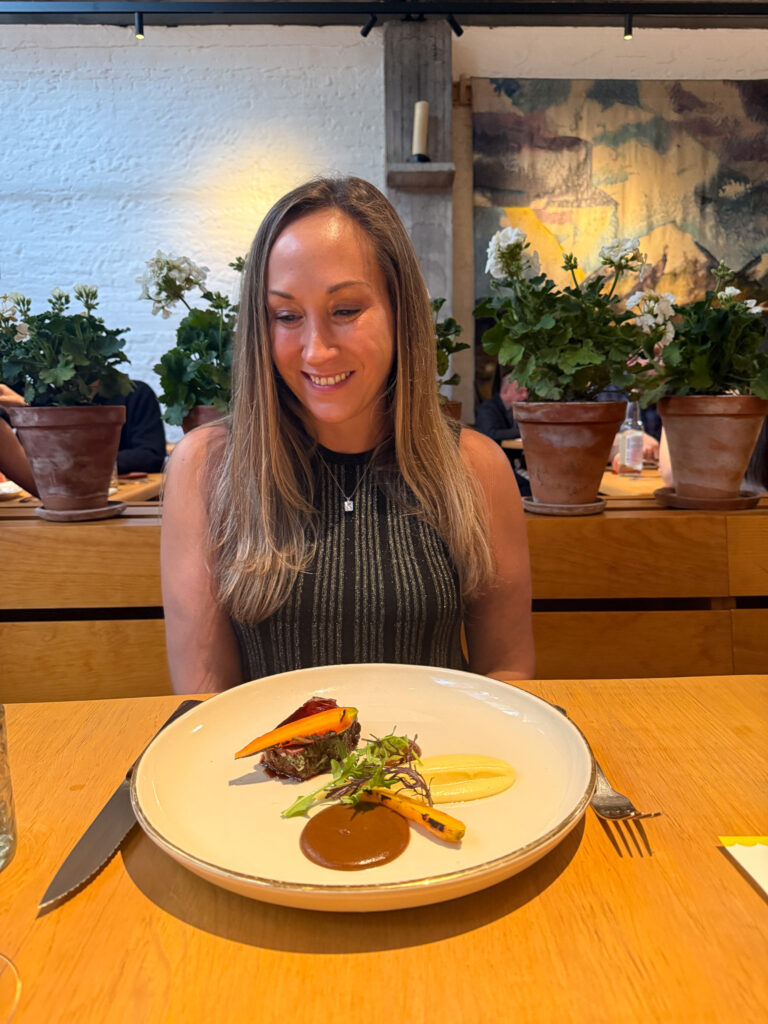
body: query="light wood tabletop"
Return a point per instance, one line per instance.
(130, 489)
(613, 485)
(617, 924)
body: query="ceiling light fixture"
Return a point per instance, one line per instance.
(628, 26)
(457, 29)
(138, 25)
(368, 25)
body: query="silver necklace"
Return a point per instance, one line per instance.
(348, 504)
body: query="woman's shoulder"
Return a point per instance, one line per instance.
(191, 453)
(481, 453)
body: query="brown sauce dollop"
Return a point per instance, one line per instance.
(350, 838)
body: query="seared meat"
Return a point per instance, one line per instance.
(303, 760)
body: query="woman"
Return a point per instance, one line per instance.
(337, 517)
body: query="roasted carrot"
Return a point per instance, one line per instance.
(437, 822)
(303, 730)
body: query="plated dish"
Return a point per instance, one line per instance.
(221, 818)
(8, 490)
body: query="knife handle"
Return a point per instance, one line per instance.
(182, 709)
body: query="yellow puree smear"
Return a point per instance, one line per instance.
(456, 777)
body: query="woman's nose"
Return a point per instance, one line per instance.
(318, 344)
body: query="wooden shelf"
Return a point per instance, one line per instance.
(432, 177)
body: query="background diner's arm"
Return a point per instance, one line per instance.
(498, 622)
(203, 652)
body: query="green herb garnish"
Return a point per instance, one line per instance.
(380, 763)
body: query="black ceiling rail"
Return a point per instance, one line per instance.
(644, 12)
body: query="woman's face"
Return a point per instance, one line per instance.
(331, 327)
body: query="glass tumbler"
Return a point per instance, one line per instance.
(7, 815)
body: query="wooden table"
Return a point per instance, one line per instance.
(129, 490)
(614, 485)
(615, 925)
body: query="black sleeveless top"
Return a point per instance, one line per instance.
(382, 586)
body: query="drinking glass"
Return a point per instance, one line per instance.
(7, 815)
(10, 989)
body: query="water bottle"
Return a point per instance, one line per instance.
(631, 442)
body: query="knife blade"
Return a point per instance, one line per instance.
(103, 836)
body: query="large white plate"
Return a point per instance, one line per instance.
(221, 818)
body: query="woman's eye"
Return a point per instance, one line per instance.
(352, 311)
(285, 318)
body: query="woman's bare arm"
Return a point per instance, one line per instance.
(498, 622)
(13, 459)
(203, 652)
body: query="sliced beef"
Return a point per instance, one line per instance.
(303, 760)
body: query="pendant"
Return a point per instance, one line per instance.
(349, 505)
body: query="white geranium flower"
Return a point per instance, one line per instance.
(752, 307)
(622, 254)
(503, 240)
(728, 293)
(508, 256)
(22, 332)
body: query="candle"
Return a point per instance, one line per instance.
(420, 116)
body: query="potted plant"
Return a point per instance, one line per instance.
(446, 333)
(59, 362)
(566, 346)
(195, 373)
(712, 392)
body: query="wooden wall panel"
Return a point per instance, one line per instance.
(111, 564)
(606, 645)
(750, 640)
(628, 555)
(83, 660)
(748, 554)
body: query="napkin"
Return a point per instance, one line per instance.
(751, 854)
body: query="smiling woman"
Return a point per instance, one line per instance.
(338, 516)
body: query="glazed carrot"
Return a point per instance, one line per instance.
(303, 730)
(437, 822)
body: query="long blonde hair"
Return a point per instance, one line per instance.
(262, 528)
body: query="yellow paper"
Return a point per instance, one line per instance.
(751, 854)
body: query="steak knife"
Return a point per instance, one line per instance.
(103, 836)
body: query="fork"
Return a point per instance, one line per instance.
(606, 801)
(612, 805)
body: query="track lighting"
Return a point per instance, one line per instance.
(455, 26)
(628, 26)
(138, 25)
(368, 25)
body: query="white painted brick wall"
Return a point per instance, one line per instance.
(114, 147)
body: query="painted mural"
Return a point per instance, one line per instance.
(683, 166)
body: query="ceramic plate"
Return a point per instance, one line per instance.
(221, 818)
(8, 490)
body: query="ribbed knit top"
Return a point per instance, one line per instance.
(381, 588)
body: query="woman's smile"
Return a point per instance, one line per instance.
(329, 382)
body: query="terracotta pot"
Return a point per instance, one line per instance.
(452, 409)
(199, 415)
(567, 446)
(72, 451)
(710, 439)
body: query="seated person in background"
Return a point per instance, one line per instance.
(494, 418)
(13, 460)
(142, 439)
